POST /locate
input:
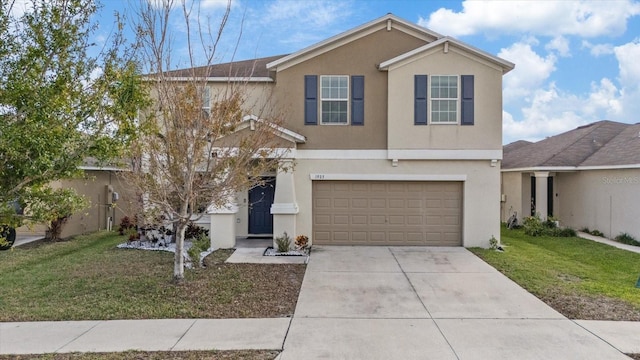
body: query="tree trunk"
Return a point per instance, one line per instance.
(178, 262)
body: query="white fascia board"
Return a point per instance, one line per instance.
(281, 153)
(101, 168)
(283, 132)
(504, 64)
(351, 35)
(213, 79)
(342, 154)
(445, 154)
(388, 177)
(573, 168)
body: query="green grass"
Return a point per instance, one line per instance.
(88, 278)
(544, 265)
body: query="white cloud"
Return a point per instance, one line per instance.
(309, 14)
(598, 50)
(552, 111)
(531, 69)
(20, 7)
(628, 55)
(549, 18)
(559, 44)
(215, 4)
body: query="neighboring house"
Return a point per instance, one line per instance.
(105, 210)
(586, 177)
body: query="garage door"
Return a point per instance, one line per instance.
(387, 213)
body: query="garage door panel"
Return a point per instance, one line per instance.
(387, 213)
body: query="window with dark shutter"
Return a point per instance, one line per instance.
(311, 100)
(420, 100)
(357, 100)
(466, 108)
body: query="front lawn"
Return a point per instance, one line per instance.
(580, 278)
(88, 278)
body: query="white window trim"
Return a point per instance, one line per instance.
(348, 100)
(430, 99)
(206, 94)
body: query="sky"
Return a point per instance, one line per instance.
(577, 62)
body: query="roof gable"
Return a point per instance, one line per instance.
(388, 21)
(447, 41)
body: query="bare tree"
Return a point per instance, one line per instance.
(199, 147)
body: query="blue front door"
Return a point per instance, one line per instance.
(260, 200)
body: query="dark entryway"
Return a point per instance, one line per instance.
(260, 201)
(549, 196)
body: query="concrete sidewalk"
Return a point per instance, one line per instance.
(603, 240)
(144, 335)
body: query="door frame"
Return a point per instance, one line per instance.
(270, 182)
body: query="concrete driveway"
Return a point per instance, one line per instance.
(425, 303)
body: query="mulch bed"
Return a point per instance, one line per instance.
(584, 307)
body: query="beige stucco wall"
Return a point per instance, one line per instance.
(359, 57)
(486, 133)
(512, 190)
(257, 97)
(481, 190)
(94, 218)
(606, 200)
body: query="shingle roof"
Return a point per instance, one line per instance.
(603, 143)
(515, 145)
(245, 68)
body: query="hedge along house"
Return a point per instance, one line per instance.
(395, 132)
(586, 177)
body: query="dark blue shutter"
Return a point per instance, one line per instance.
(420, 100)
(466, 114)
(311, 99)
(357, 100)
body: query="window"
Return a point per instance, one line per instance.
(444, 99)
(334, 97)
(206, 98)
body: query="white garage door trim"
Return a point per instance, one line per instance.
(382, 235)
(387, 177)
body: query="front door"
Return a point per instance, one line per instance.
(260, 201)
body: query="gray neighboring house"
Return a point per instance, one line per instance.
(586, 177)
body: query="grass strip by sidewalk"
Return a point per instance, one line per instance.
(577, 274)
(88, 278)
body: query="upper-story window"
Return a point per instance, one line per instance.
(206, 99)
(444, 99)
(334, 96)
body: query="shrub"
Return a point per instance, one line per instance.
(562, 232)
(493, 243)
(533, 226)
(199, 244)
(596, 233)
(126, 223)
(627, 239)
(302, 242)
(194, 231)
(283, 243)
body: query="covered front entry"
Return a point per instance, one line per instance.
(387, 213)
(260, 201)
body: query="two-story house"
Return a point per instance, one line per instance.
(395, 132)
